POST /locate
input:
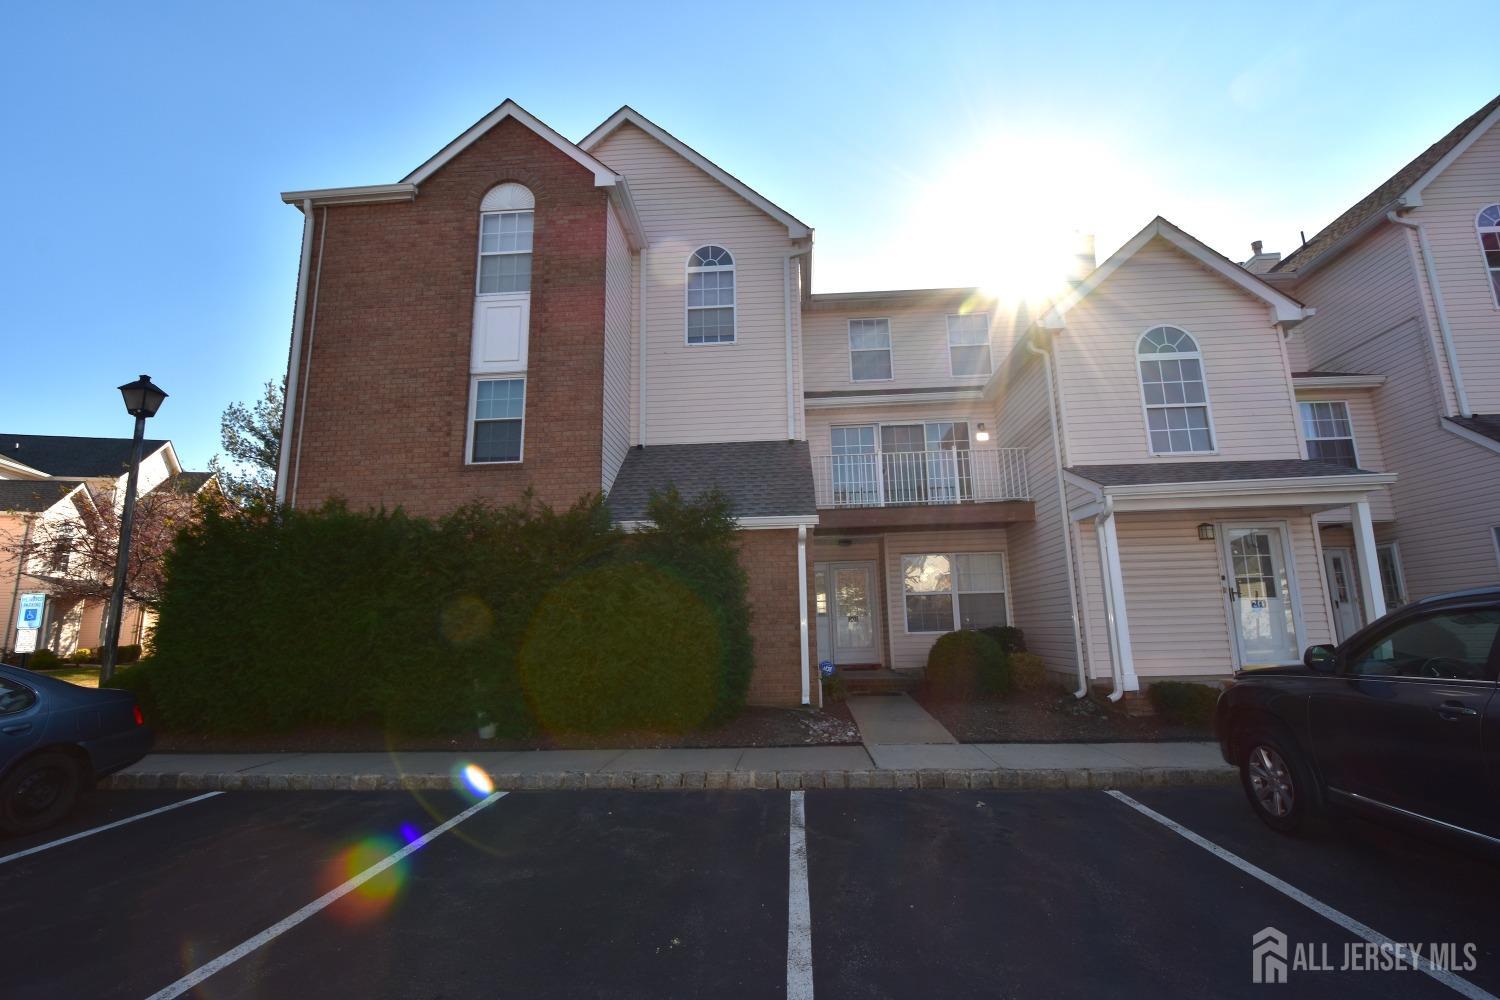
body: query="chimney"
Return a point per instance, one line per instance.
(1255, 246)
(1260, 262)
(1083, 259)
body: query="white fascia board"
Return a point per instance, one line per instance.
(1412, 196)
(367, 195)
(1338, 381)
(21, 469)
(907, 398)
(765, 523)
(1284, 309)
(620, 197)
(1298, 491)
(603, 175)
(173, 464)
(1087, 485)
(1470, 436)
(795, 228)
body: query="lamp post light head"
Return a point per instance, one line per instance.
(142, 397)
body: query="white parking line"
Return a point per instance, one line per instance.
(107, 826)
(799, 981)
(1348, 923)
(244, 948)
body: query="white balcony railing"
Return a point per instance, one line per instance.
(920, 477)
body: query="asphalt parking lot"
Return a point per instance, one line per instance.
(705, 894)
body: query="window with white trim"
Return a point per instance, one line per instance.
(969, 344)
(947, 591)
(499, 420)
(1488, 224)
(710, 296)
(1176, 397)
(1389, 560)
(1329, 432)
(506, 221)
(869, 350)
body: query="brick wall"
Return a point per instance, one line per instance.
(770, 561)
(388, 385)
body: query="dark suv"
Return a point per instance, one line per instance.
(1400, 720)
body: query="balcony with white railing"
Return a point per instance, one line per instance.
(921, 478)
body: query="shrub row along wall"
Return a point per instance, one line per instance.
(520, 616)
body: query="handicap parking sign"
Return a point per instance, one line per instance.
(29, 612)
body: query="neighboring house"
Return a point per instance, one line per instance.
(1400, 367)
(48, 478)
(1126, 475)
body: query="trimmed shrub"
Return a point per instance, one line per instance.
(1183, 702)
(622, 647)
(123, 654)
(136, 679)
(1028, 671)
(82, 655)
(1010, 638)
(834, 689)
(44, 659)
(967, 665)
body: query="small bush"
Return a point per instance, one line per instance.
(968, 665)
(834, 689)
(1010, 638)
(83, 655)
(136, 679)
(44, 659)
(1183, 703)
(124, 654)
(1028, 671)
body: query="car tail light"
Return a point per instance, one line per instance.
(140, 720)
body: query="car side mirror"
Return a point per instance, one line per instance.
(1319, 659)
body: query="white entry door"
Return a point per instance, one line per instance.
(1343, 594)
(853, 613)
(1260, 595)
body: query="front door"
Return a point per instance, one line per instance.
(1343, 594)
(1260, 595)
(853, 613)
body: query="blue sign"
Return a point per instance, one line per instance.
(826, 668)
(29, 611)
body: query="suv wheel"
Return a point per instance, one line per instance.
(1277, 781)
(40, 791)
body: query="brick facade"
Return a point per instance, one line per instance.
(770, 561)
(388, 386)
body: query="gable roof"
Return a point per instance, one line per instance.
(189, 482)
(88, 457)
(796, 228)
(1402, 189)
(33, 495)
(1283, 307)
(762, 479)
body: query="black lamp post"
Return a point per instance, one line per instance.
(142, 400)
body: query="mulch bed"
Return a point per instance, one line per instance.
(1052, 716)
(754, 727)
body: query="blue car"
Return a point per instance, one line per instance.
(56, 740)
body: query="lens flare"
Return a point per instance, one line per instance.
(476, 780)
(374, 896)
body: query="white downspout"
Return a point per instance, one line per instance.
(312, 333)
(1123, 668)
(791, 367)
(1442, 313)
(641, 339)
(294, 358)
(802, 610)
(1067, 522)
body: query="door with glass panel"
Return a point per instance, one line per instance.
(855, 472)
(1343, 594)
(854, 613)
(927, 463)
(1260, 595)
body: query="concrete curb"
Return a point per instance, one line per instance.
(998, 778)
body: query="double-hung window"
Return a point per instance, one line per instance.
(1329, 433)
(499, 420)
(1175, 394)
(946, 591)
(869, 350)
(710, 296)
(505, 252)
(969, 344)
(1488, 224)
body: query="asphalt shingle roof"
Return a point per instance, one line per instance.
(1480, 423)
(1378, 200)
(1154, 473)
(31, 495)
(72, 456)
(761, 478)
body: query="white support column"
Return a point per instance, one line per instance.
(1370, 587)
(802, 614)
(1115, 581)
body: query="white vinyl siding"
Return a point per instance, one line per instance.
(969, 350)
(920, 357)
(869, 350)
(1329, 432)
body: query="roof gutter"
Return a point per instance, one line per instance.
(367, 195)
(294, 358)
(791, 366)
(1442, 313)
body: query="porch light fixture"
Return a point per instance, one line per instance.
(1205, 532)
(142, 399)
(980, 434)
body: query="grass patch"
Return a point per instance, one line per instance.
(83, 676)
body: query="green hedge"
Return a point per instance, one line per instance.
(966, 665)
(335, 618)
(1183, 703)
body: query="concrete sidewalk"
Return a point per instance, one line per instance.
(910, 765)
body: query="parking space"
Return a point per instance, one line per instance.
(630, 894)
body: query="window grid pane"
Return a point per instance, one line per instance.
(499, 412)
(870, 365)
(1174, 392)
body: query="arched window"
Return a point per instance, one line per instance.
(710, 296)
(505, 224)
(1171, 369)
(1488, 223)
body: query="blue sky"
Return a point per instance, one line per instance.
(147, 144)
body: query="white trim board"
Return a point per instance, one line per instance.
(603, 175)
(796, 229)
(1338, 381)
(768, 522)
(1468, 435)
